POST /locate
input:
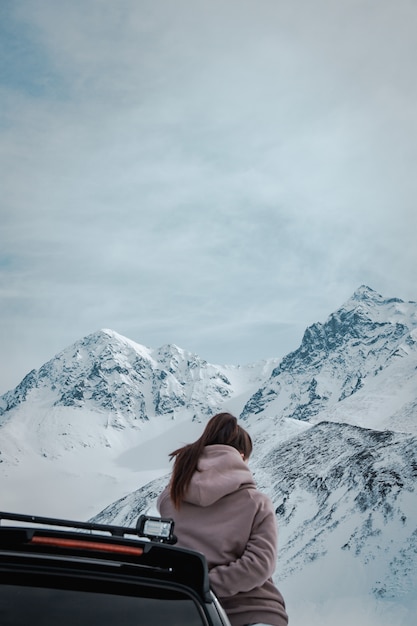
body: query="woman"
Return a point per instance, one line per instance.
(218, 511)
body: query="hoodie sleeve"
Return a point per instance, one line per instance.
(258, 561)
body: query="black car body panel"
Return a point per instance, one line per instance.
(86, 572)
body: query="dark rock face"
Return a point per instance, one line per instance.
(360, 488)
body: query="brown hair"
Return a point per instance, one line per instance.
(221, 428)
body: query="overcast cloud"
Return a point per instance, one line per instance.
(218, 174)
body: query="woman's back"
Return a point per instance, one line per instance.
(218, 511)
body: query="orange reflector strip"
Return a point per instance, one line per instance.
(87, 545)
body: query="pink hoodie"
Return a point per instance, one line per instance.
(233, 525)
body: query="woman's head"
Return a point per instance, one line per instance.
(222, 428)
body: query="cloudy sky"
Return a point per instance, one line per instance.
(218, 174)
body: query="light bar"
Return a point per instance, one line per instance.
(156, 528)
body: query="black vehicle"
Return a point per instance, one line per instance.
(64, 572)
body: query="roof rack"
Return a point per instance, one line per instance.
(167, 525)
(175, 563)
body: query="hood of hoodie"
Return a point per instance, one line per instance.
(220, 471)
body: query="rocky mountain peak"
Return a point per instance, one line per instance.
(366, 294)
(339, 357)
(108, 372)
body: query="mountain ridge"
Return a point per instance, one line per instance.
(106, 371)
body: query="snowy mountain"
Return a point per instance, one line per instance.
(108, 372)
(334, 425)
(357, 367)
(98, 412)
(126, 383)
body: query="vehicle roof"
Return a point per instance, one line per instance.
(63, 545)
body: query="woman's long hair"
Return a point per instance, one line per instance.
(221, 428)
